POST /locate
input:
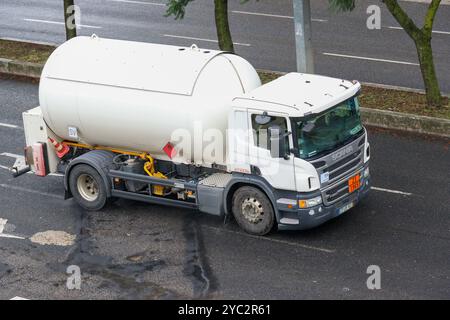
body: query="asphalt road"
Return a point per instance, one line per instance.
(344, 47)
(141, 251)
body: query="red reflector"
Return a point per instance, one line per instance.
(169, 149)
(40, 165)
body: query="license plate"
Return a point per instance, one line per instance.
(347, 207)
(354, 183)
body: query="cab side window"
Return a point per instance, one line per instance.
(261, 131)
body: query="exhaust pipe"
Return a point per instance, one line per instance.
(16, 172)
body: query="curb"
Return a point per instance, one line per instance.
(406, 122)
(372, 117)
(398, 88)
(50, 44)
(24, 69)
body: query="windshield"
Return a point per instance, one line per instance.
(319, 133)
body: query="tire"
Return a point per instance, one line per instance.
(253, 211)
(87, 187)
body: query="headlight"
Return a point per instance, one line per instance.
(366, 172)
(308, 203)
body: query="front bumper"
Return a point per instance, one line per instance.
(302, 219)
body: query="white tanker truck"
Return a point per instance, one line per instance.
(196, 129)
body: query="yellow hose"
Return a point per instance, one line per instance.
(149, 166)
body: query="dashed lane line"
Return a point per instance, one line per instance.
(434, 31)
(369, 59)
(392, 191)
(2, 224)
(60, 23)
(12, 126)
(11, 155)
(203, 39)
(140, 2)
(291, 243)
(27, 190)
(10, 236)
(3, 235)
(270, 15)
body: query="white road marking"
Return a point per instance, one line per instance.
(61, 23)
(369, 59)
(443, 2)
(20, 163)
(3, 235)
(140, 2)
(295, 244)
(22, 189)
(2, 224)
(5, 167)
(7, 125)
(272, 15)
(392, 191)
(434, 31)
(51, 237)
(10, 236)
(202, 39)
(19, 298)
(11, 155)
(56, 174)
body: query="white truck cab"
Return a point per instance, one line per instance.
(323, 152)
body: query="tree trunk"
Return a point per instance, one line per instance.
(222, 25)
(69, 18)
(422, 40)
(425, 53)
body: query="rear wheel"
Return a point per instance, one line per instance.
(88, 187)
(253, 211)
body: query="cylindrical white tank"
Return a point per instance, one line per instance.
(134, 96)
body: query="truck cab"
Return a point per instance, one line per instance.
(307, 143)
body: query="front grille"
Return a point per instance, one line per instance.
(338, 191)
(342, 162)
(335, 188)
(337, 169)
(353, 164)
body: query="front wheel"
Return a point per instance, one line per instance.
(87, 187)
(253, 211)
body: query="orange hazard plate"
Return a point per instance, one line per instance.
(354, 183)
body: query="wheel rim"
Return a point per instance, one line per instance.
(87, 187)
(252, 210)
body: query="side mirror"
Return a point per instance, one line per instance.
(279, 146)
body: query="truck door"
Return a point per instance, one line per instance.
(279, 172)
